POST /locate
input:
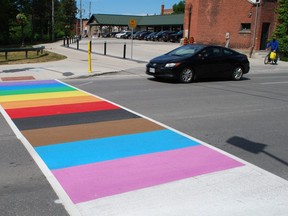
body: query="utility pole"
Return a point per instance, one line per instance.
(89, 10)
(189, 21)
(81, 27)
(257, 2)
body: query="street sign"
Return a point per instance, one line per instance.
(132, 23)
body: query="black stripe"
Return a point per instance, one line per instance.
(72, 119)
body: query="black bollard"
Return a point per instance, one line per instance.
(64, 41)
(105, 47)
(67, 41)
(124, 52)
(77, 43)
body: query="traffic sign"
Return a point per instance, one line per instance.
(132, 23)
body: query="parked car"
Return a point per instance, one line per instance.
(159, 36)
(113, 34)
(150, 36)
(176, 37)
(194, 61)
(143, 34)
(136, 36)
(120, 35)
(166, 36)
(106, 35)
(127, 35)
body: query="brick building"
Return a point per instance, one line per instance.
(213, 21)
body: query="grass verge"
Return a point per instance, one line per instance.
(19, 57)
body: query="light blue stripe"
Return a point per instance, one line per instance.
(103, 149)
(24, 87)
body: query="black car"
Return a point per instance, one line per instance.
(136, 35)
(143, 34)
(159, 35)
(126, 35)
(194, 61)
(176, 37)
(166, 36)
(150, 36)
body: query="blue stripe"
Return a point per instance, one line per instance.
(23, 87)
(103, 149)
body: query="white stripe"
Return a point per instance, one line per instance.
(68, 204)
(273, 83)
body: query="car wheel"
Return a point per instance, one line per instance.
(186, 75)
(237, 73)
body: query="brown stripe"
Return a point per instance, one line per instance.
(49, 102)
(17, 78)
(46, 136)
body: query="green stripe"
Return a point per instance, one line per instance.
(35, 91)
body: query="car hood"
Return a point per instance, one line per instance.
(168, 58)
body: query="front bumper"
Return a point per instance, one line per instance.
(162, 72)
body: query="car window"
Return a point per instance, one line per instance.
(211, 52)
(227, 52)
(184, 50)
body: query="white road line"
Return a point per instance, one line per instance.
(273, 83)
(66, 201)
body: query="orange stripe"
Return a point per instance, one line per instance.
(49, 102)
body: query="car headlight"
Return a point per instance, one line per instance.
(171, 65)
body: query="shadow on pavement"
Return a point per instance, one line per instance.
(252, 147)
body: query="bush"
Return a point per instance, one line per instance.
(283, 45)
(60, 34)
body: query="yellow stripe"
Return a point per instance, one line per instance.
(49, 102)
(41, 96)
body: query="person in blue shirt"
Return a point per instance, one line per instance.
(274, 45)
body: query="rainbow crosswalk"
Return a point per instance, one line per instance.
(95, 148)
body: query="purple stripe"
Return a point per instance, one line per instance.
(92, 181)
(19, 83)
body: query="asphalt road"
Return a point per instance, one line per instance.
(247, 118)
(24, 190)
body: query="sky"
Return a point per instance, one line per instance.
(124, 7)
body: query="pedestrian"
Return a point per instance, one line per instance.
(273, 45)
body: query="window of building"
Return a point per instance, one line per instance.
(245, 28)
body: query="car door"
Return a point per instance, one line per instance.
(209, 62)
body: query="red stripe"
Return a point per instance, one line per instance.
(60, 109)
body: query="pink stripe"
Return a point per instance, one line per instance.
(92, 181)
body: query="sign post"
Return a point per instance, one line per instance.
(132, 25)
(89, 57)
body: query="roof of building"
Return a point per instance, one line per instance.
(123, 20)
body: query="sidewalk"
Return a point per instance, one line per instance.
(76, 64)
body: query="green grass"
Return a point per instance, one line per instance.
(20, 57)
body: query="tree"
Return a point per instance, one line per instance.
(179, 8)
(4, 25)
(281, 31)
(67, 15)
(22, 20)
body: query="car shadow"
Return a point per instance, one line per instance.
(206, 80)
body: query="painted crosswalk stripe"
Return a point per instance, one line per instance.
(107, 159)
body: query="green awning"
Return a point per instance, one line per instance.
(123, 20)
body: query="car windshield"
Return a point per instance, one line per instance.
(184, 51)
